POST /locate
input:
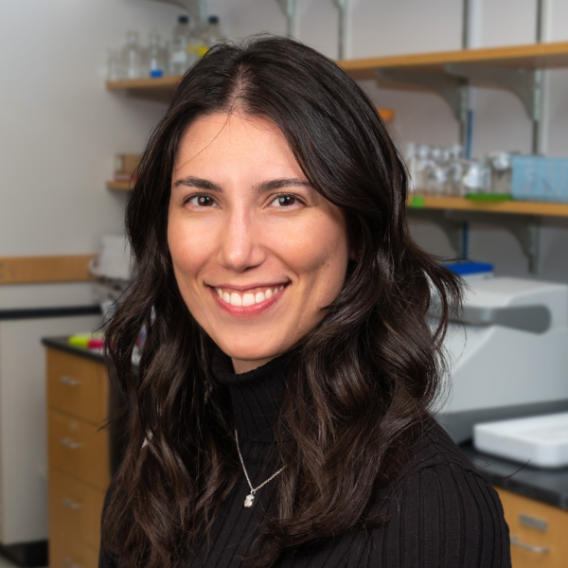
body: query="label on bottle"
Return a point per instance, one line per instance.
(198, 49)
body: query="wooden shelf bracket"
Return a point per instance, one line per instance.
(525, 228)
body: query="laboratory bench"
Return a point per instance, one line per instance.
(82, 454)
(80, 396)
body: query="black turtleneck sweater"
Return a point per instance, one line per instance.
(442, 512)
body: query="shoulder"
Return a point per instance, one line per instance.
(441, 512)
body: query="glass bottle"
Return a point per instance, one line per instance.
(155, 58)
(212, 34)
(115, 67)
(196, 46)
(178, 47)
(132, 57)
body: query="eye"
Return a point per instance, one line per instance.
(200, 201)
(285, 201)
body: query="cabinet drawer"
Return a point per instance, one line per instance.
(67, 552)
(538, 532)
(77, 386)
(79, 449)
(75, 508)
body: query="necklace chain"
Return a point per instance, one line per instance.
(250, 498)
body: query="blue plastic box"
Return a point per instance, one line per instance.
(536, 178)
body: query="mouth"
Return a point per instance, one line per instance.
(249, 297)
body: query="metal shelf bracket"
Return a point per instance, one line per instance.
(453, 229)
(524, 83)
(289, 9)
(525, 228)
(197, 9)
(343, 7)
(451, 88)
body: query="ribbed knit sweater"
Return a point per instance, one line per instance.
(442, 512)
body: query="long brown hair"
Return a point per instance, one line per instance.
(364, 377)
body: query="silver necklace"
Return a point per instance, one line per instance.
(250, 497)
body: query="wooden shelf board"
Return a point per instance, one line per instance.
(158, 90)
(119, 185)
(162, 90)
(42, 269)
(532, 56)
(513, 207)
(169, 82)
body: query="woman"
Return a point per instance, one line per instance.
(280, 415)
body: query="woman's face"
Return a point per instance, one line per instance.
(257, 252)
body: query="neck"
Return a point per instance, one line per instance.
(256, 395)
(244, 366)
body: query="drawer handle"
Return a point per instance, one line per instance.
(69, 381)
(538, 549)
(70, 505)
(68, 443)
(68, 563)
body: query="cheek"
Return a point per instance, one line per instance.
(189, 251)
(319, 255)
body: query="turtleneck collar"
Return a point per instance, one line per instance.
(256, 396)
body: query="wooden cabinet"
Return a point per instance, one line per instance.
(79, 463)
(538, 532)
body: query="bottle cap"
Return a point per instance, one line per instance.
(213, 19)
(183, 19)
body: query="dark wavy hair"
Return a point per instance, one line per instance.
(364, 377)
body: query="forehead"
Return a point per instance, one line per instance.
(234, 139)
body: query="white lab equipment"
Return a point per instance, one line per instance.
(508, 354)
(540, 441)
(115, 260)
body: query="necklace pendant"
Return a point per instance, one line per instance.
(249, 500)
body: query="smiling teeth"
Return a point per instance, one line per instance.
(247, 299)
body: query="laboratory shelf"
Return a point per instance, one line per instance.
(159, 89)
(531, 56)
(418, 201)
(119, 185)
(162, 90)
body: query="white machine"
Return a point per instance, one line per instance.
(508, 354)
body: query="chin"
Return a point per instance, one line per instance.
(248, 350)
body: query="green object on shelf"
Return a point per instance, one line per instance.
(417, 201)
(491, 197)
(82, 340)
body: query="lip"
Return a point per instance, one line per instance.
(248, 287)
(247, 312)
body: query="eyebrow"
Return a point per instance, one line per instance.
(270, 185)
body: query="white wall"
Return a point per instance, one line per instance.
(59, 127)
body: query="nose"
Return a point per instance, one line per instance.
(240, 248)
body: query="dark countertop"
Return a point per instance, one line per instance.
(62, 344)
(545, 485)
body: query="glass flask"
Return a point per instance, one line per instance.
(115, 67)
(132, 57)
(178, 57)
(155, 56)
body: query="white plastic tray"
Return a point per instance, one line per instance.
(540, 440)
